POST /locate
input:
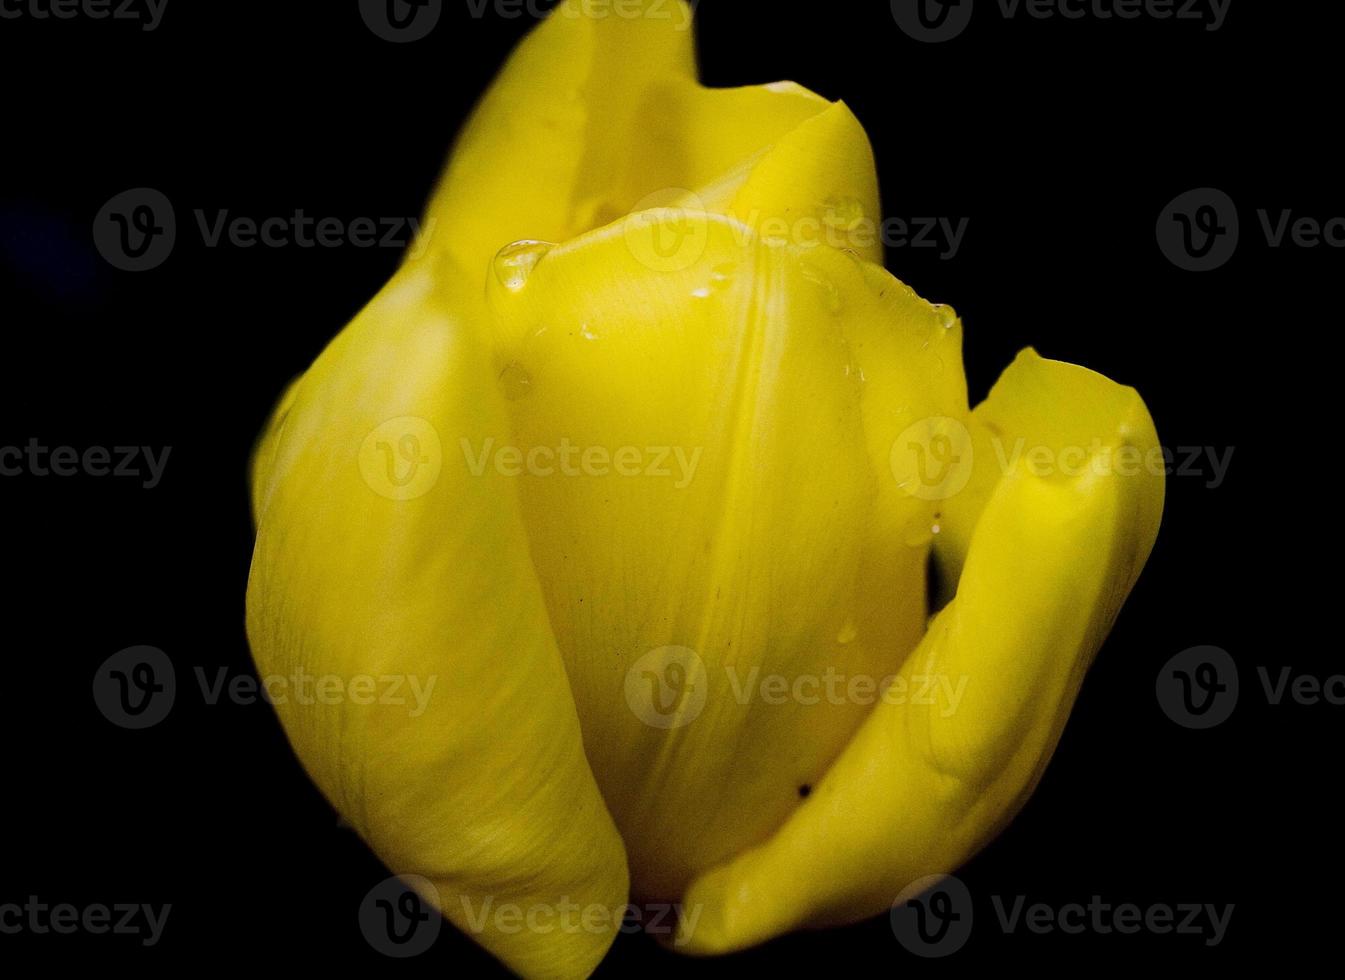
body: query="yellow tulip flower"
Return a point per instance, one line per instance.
(648, 513)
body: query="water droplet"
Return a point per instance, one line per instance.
(586, 332)
(947, 316)
(515, 381)
(842, 214)
(721, 277)
(515, 262)
(848, 632)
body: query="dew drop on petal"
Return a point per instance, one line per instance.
(514, 263)
(721, 277)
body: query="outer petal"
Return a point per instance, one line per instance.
(728, 407)
(599, 113)
(381, 554)
(921, 788)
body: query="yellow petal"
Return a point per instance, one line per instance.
(923, 786)
(1095, 419)
(383, 559)
(599, 113)
(728, 509)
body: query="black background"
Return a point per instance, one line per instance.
(1060, 141)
